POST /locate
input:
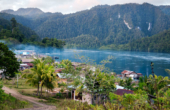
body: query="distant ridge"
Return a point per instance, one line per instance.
(27, 12)
(104, 24)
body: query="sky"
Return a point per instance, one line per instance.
(68, 6)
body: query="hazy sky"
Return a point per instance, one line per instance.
(69, 6)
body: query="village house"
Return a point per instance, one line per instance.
(24, 54)
(82, 96)
(25, 61)
(30, 65)
(23, 67)
(26, 64)
(1, 73)
(76, 64)
(87, 97)
(123, 91)
(62, 78)
(130, 74)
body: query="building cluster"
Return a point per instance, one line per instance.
(130, 74)
(27, 57)
(87, 96)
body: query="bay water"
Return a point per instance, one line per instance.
(123, 60)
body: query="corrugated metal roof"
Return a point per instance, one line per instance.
(59, 70)
(119, 87)
(63, 75)
(1, 71)
(23, 65)
(27, 60)
(30, 64)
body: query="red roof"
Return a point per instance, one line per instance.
(116, 83)
(123, 72)
(30, 64)
(123, 91)
(128, 72)
(59, 70)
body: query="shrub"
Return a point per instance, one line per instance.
(59, 95)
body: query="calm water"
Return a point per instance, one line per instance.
(124, 60)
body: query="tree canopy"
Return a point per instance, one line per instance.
(13, 32)
(9, 63)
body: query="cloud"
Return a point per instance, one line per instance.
(74, 6)
(69, 6)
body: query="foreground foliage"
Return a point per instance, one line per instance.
(9, 63)
(7, 102)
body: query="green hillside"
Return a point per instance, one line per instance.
(156, 43)
(83, 41)
(14, 33)
(117, 24)
(27, 32)
(111, 25)
(108, 23)
(165, 9)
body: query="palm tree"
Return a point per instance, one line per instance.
(38, 71)
(158, 83)
(48, 78)
(41, 74)
(155, 86)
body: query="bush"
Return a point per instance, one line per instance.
(59, 95)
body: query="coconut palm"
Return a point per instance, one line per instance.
(45, 74)
(38, 71)
(158, 83)
(41, 74)
(48, 78)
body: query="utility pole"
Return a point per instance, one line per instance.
(17, 80)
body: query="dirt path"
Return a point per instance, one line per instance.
(37, 105)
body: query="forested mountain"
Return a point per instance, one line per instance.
(20, 19)
(165, 9)
(83, 41)
(117, 24)
(157, 43)
(27, 32)
(4, 23)
(14, 33)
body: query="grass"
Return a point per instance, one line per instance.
(8, 102)
(60, 103)
(23, 87)
(64, 104)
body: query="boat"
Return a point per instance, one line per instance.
(56, 57)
